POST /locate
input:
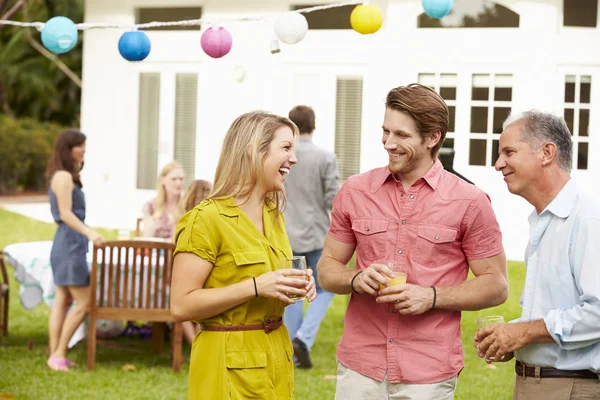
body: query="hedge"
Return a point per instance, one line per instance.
(25, 147)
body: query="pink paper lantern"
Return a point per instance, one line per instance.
(216, 42)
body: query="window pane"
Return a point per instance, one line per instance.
(584, 122)
(168, 14)
(452, 118)
(569, 117)
(582, 155)
(500, 115)
(580, 13)
(585, 88)
(477, 152)
(495, 148)
(427, 80)
(448, 143)
(480, 87)
(331, 18)
(479, 119)
(570, 89)
(503, 90)
(448, 86)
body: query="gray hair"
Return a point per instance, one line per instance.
(538, 128)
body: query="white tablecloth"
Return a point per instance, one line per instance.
(31, 261)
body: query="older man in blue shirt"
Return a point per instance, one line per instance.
(556, 342)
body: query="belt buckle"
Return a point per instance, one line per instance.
(268, 327)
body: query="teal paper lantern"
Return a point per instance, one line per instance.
(134, 46)
(59, 35)
(437, 8)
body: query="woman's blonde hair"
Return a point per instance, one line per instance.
(161, 194)
(196, 192)
(245, 147)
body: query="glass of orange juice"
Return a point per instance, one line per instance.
(399, 272)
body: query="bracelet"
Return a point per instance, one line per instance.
(434, 297)
(255, 290)
(352, 281)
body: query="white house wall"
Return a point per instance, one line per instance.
(538, 55)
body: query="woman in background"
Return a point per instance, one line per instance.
(227, 273)
(70, 245)
(162, 213)
(196, 192)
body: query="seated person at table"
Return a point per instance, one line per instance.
(226, 271)
(196, 192)
(162, 213)
(68, 255)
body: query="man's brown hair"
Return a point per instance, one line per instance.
(425, 106)
(304, 118)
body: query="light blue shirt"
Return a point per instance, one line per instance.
(562, 285)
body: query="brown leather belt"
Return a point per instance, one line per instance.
(267, 326)
(549, 372)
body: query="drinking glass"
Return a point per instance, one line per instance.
(400, 272)
(294, 262)
(482, 322)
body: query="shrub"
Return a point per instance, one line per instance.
(25, 147)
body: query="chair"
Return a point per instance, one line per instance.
(132, 281)
(4, 296)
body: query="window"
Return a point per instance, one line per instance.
(491, 103)
(148, 118)
(577, 109)
(186, 99)
(445, 85)
(331, 18)
(348, 122)
(168, 14)
(473, 14)
(580, 13)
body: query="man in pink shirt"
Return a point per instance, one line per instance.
(403, 341)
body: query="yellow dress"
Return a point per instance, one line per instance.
(243, 364)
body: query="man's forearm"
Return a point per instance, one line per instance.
(536, 332)
(484, 291)
(334, 276)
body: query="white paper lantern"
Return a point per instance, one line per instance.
(291, 27)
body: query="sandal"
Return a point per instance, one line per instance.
(58, 364)
(71, 363)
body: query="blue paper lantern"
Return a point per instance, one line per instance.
(59, 35)
(438, 8)
(134, 46)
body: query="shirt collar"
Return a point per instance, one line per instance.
(564, 201)
(305, 138)
(229, 207)
(432, 177)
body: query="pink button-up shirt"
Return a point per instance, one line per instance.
(434, 229)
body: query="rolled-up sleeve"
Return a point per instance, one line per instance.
(579, 326)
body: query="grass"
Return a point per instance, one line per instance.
(23, 372)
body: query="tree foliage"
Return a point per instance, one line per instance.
(31, 85)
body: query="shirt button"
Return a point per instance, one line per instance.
(401, 194)
(412, 196)
(368, 229)
(437, 237)
(394, 311)
(392, 341)
(399, 251)
(403, 222)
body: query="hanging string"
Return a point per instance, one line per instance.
(192, 22)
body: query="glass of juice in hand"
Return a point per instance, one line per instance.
(294, 262)
(399, 272)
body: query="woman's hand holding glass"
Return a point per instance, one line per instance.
(283, 283)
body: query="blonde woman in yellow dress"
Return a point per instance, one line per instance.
(226, 271)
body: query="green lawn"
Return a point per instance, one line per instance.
(23, 372)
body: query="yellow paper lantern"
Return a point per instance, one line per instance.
(366, 18)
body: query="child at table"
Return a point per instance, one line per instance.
(70, 245)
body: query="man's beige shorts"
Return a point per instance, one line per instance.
(353, 386)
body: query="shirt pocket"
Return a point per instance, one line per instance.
(434, 245)
(251, 263)
(371, 237)
(247, 374)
